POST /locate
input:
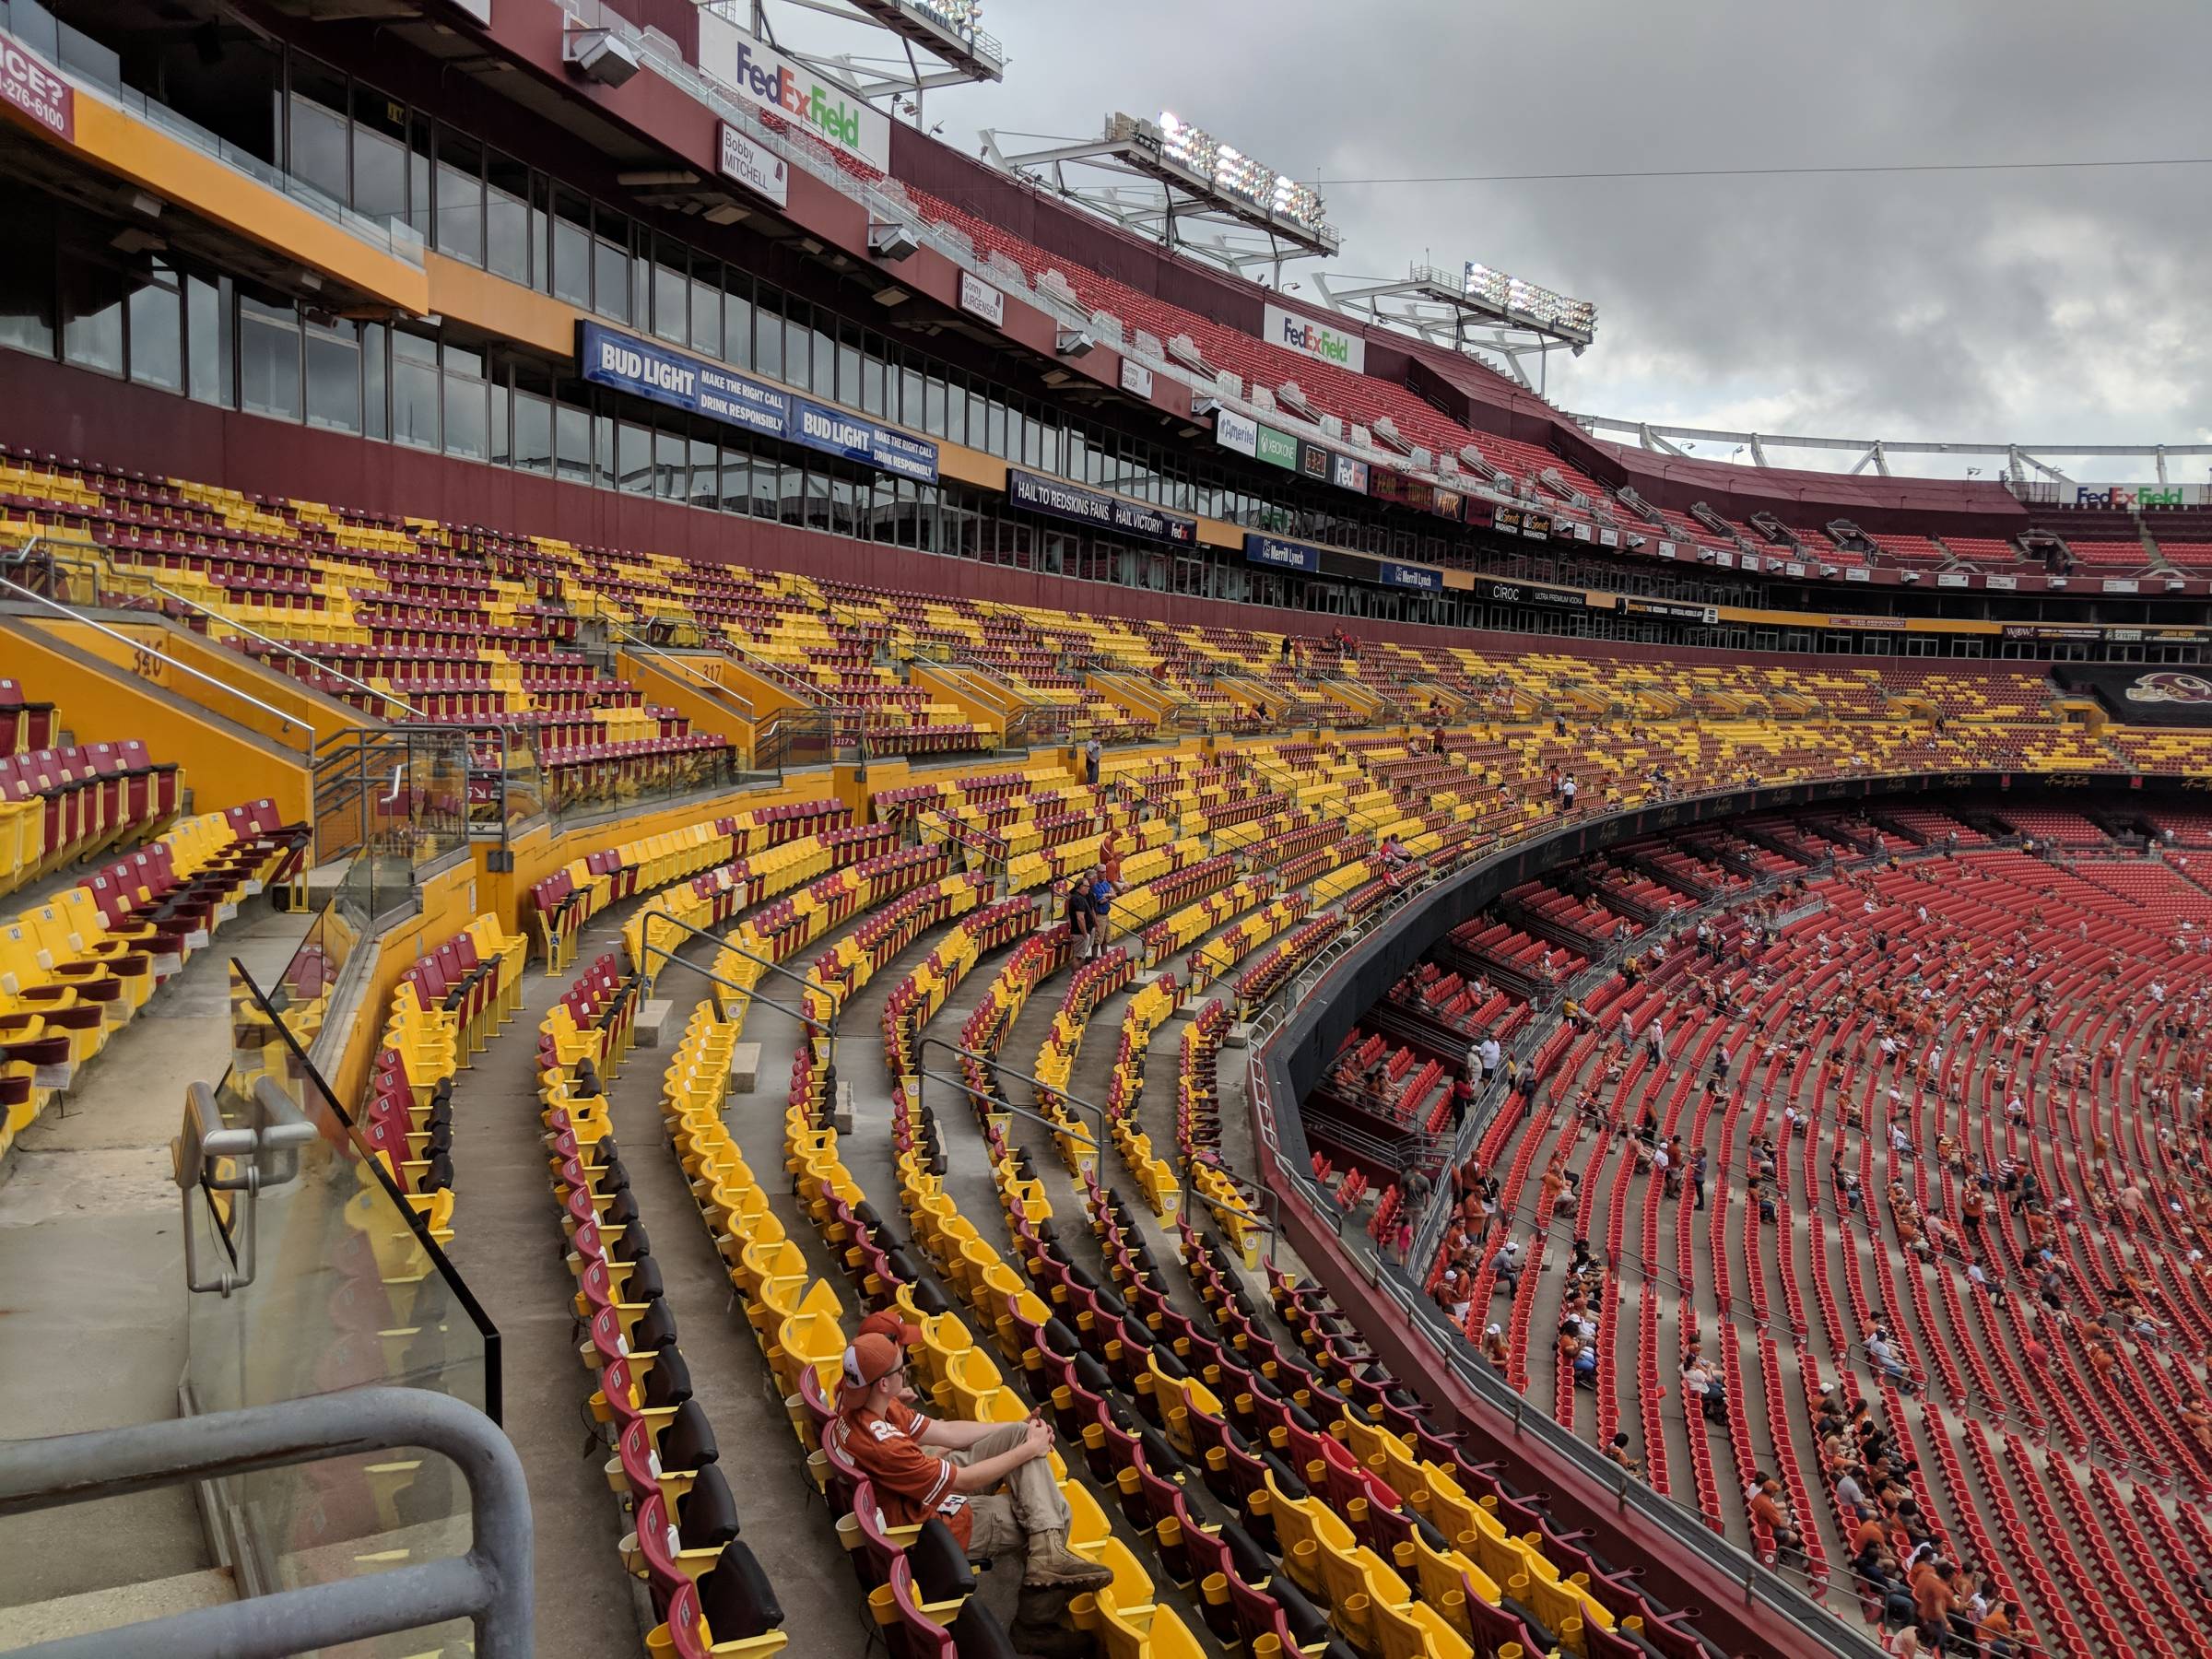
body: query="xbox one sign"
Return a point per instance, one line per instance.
(1302, 334)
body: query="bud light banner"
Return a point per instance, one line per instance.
(1411, 576)
(683, 381)
(680, 381)
(1279, 554)
(1041, 494)
(836, 433)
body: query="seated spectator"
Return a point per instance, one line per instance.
(1618, 1451)
(1768, 1510)
(1494, 1347)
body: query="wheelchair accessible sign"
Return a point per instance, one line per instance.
(645, 368)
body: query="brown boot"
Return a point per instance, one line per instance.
(1051, 1564)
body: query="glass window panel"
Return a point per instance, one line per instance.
(737, 483)
(798, 347)
(736, 323)
(533, 432)
(768, 339)
(671, 295)
(375, 419)
(468, 418)
(380, 155)
(909, 396)
(317, 153)
(157, 316)
(497, 390)
(823, 379)
(669, 476)
(268, 359)
(91, 315)
(333, 379)
(633, 458)
(572, 438)
(610, 283)
(460, 196)
(767, 487)
(706, 489)
(571, 248)
(207, 336)
(932, 406)
(418, 176)
(875, 387)
(413, 395)
(706, 315)
(848, 371)
(603, 449)
(467, 361)
(507, 217)
(792, 506)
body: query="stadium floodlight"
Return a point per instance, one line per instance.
(1076, 342)
(1514, 301)
(1225, 171)
(600, 55)
(956, 17)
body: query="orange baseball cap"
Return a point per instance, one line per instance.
(888, 1322)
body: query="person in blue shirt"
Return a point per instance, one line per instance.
(1102, 910)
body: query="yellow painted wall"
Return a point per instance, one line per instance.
(100, 702)
(706, 711)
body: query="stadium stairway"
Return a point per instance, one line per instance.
(87, 1184)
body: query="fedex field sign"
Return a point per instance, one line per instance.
(792, 91)
(29, 85)
(1315, 339)
(2138, 495)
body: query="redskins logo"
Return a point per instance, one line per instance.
(2169, 685)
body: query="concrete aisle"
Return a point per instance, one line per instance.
(92, 1306)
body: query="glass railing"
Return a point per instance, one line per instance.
(95, 73)
(344, 1286)
(398, 798)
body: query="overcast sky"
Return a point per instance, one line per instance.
(2044, 306)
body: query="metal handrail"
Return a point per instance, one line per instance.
(490, 1585)
(286, 722)
(692, 673)
(647, 949)
(923, 1072)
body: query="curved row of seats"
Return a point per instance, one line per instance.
(705, 1588)
(76, 968)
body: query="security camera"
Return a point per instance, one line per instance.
(1075, 342)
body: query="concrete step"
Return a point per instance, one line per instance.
(90, 1611)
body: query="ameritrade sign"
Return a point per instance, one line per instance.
(1041, 494)
(31, 84)
(1279, 554)
(1314, 339)
(684, 381)
(793, 92)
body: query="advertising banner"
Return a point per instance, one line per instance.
(1537, 526)
(1411, 576)
(1347, 474)
(1276, 449)
(1675, 612)
(681, 381)
(1041, 494)
(753, 166)
(834, 433)
(1314, 339)
(1279, 554)
(2145, 696)
(33, 87)
(1234, 431)
(1524, 592)
(1137, 378)
(791, 91)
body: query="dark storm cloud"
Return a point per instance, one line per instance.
(2044, 305)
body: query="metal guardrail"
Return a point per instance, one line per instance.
(491, 1585)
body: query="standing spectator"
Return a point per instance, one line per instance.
(1696, 1175)
(1079, 915)
(1567, 789)
(1102, 910)
(1093, 754)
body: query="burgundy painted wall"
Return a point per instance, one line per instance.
(74, 413)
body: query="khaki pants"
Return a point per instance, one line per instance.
(1031, 1502)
